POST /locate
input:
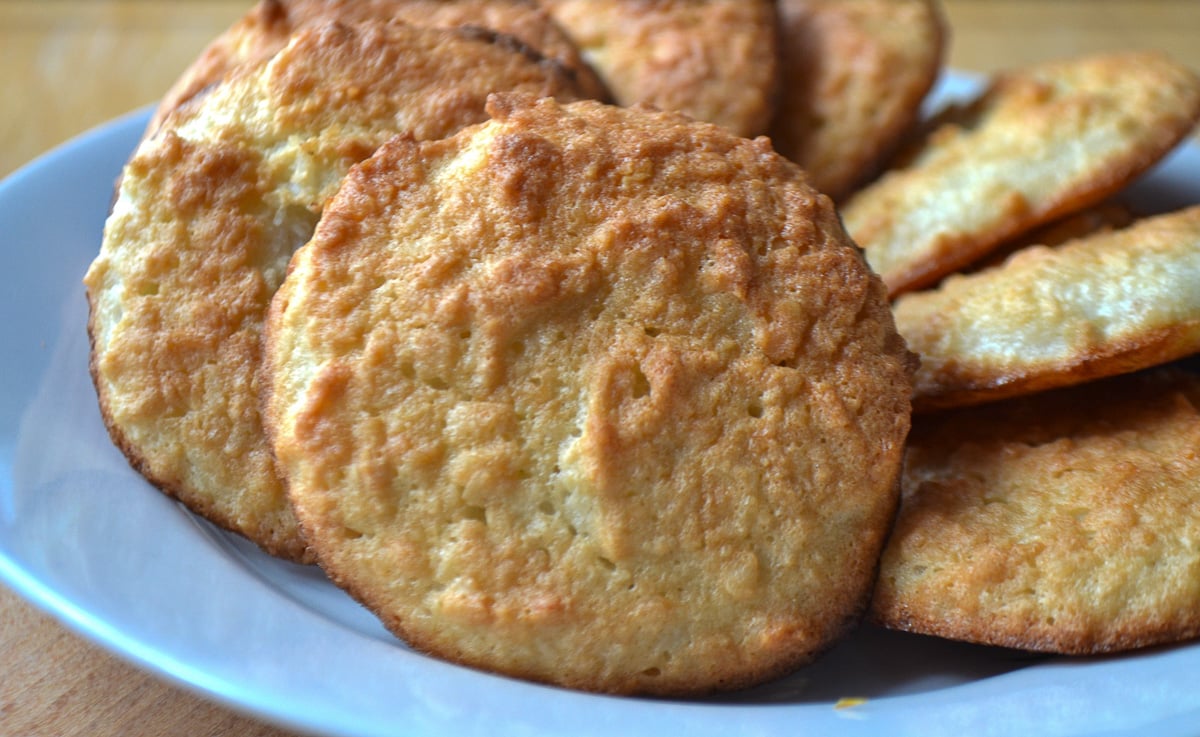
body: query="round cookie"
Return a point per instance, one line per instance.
(266, 28)
(854, 74)
(593, 396)
(716, 60)
(1108, 303)
(207, 215)
(1060, 522)
(1041, 142)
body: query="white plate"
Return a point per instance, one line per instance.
(84, 537)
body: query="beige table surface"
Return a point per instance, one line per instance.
(66, 66)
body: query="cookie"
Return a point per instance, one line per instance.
(1040, 143)
(716, 60)
(593, 396)
(266, 28)
(207, 215)
(1063, 522)
(854, 74)
(1104, 304)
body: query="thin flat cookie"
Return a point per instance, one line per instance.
(716, 60)
(1040, 143)
(207, 215)
(853, 76)
(1104, 304)
(589, 395)
(1065, 522)
(266, 28)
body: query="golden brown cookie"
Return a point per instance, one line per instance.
(266, 28)
(854, 74)
(716, 60)
(594, 396)
(1063, 522)
(208, 213)
(1040, 143)
(1104, 304)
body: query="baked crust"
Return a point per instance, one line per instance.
(716, 60)
(1063, 522)
(854, 74)
(593, 396)
(207, 215)
(1040, 143)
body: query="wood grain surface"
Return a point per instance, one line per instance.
(68, 65)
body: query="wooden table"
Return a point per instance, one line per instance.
(68, 65)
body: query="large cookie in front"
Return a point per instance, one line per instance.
(594, 396)
(207, 215)
(1061, 522)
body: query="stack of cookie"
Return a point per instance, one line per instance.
(1063, 516)
(500, 313)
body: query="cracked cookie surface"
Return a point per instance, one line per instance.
(593, 396)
